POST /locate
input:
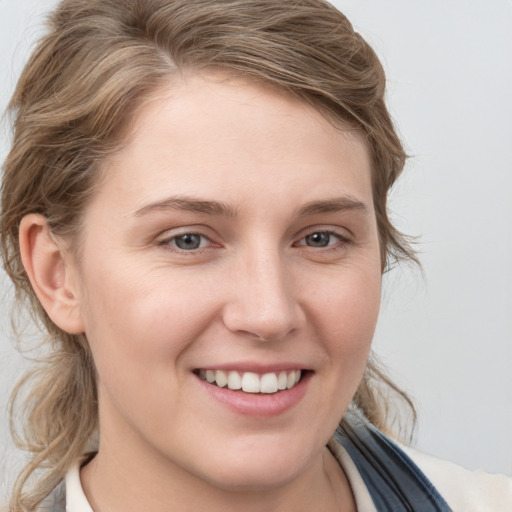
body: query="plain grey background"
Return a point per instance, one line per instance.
(447, 336)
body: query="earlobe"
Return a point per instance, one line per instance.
(50, 270)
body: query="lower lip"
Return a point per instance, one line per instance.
(264, 405)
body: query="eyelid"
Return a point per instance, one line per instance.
(338, 233)
(165, 239)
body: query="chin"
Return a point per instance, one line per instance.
(263, 468)
(254, 476)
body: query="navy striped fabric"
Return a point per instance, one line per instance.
(393, 480)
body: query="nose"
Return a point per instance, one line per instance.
(263, 303)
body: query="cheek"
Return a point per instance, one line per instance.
(139, 331)
(347, 317)
(343, 315)
(348, 299)
(357, 311)
(136, 321)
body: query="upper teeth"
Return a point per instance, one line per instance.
(252, 382)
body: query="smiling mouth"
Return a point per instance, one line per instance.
(250, 382)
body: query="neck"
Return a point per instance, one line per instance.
(112, 483)
(130, 474)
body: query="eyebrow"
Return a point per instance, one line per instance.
(334, 205)
(218, 208)
(181, 203)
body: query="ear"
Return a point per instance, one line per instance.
(52, 273)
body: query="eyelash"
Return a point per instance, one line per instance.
(341, 241)
(171, 241)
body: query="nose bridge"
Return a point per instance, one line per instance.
(264, 303)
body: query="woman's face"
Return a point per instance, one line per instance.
(233, 238)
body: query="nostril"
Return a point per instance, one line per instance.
(266, 337)
(263, 314)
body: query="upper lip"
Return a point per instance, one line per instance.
(253, 367)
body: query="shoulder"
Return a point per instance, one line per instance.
(464, 490)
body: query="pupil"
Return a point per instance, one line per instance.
(318, 239)
(188, 241)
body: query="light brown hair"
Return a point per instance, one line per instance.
(71, 108)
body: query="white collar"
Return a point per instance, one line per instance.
(364, 501)
(75, 497)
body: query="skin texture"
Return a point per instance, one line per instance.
(257, 293)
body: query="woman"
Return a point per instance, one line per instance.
(195, 206)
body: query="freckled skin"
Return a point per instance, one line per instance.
(262, 286)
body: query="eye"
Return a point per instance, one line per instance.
(188, 241)
(318, 239)
(321, 239)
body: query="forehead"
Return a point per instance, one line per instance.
(205, 132)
